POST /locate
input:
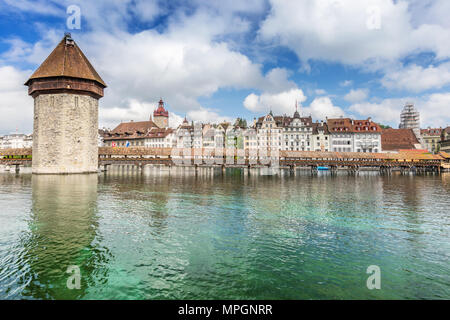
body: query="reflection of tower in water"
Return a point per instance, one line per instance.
(63, 233)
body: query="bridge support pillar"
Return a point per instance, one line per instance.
(292, 169)
(17, 168)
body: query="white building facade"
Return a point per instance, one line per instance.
(16, 141)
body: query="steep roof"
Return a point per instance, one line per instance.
(137, 130)
(397, 139)
(159, 132)
(131, 127)
(285, 121)
(341, 124)
(355, 126)
(431, 132)
(161, 111)
(67, 60)
(320, 127)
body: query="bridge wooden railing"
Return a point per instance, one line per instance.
(163, 155)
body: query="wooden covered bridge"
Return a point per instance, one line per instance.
(417, 160)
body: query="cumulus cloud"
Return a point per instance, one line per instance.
(180, 69)
(433, 108)
(280, 103)
(385, 112)
(321, 108)
(181, 63)
(320, 92)
(346, 83)
(417, 78)
(135, 111)
(196, 52)
(284, 103)
(36, 6)
(357, 95)
(16, 107)
(354, 32)
(204, 115)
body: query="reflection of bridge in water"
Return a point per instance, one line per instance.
(411, 160)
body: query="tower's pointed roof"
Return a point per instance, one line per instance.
(161, 111)
(296, 114)
(67, 60)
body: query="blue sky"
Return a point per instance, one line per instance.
(216, 60)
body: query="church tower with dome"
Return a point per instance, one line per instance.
(161, 116)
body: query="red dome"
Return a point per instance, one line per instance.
(160, 111)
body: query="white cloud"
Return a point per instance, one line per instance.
(357, 95)
(279, 103)
(384, 112)
(147, 10)
(148, 65)
(16, 107)
(321, 108)
(416, 78)
(346, 83)
(205, 115)
(37, 6)
(337, 30)
(320, 92)
(434, 110)
(194, 54)
(284, 103)
(182, 63)
(135, 111)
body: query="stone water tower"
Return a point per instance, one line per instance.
(66, 89)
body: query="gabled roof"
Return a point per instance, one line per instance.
(67, 60)
(320, 127)
(431, 132)
(355, 126)
(159, 132)
(340, 124)
(139, 126)
(137, 130)
(397, 139)
(285, 121)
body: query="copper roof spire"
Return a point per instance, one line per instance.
(161, 111)
(296, 114)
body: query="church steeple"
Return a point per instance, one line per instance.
(296, 114)
(161, 115)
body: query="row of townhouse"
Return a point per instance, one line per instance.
(16, 141)
(268, 132)
(302, 134)
(348, 135)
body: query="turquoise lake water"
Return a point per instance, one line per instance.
(146, 236)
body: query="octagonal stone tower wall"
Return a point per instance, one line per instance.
(65, 134)
(66, 90)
